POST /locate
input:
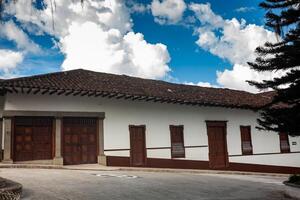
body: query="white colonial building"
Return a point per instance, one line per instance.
(80, 116)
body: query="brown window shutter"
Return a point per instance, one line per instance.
(177, 142)
(246, 140)
(284, 143)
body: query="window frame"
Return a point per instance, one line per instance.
(244, 151)
(176, 155)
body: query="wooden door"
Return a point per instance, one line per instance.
(218, 155)
(177, 142)
(80, 143)
(33, 138)
(137, 146)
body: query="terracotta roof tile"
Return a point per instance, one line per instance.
(84, 80)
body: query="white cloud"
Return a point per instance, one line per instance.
(98, 37)
(234, 41)
(10, 31)
(135, 7)
(245, 9)
(202, 84)
(205, 15)
(168, 11)
(9, 59)
(110, 51)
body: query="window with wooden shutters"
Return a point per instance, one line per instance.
(284, 143)
(246, 140)
(177, 143)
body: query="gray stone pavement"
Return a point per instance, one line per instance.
(59, 184)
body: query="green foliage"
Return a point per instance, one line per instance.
(283, 113)
(295, 178)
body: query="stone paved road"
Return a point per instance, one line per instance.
(50, 184)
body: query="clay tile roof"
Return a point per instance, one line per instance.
(125, 86)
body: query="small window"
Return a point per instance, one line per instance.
(177, 143)
(246, 140)
(284, 143)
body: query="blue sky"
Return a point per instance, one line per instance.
(189, 62)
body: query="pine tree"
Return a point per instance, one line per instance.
(283, 113)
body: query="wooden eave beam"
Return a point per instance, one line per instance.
(15, 90)
(84, 93)
(120, 96)
(97, 94)
(61, 92)
(45, 91)
(36, 91)
(112, 95)
(29, 90)
(105, 94)
(52, 92)
(91, 93)
(76, 93)
(150, 98)
(135, 98)
(8, 89)
(69, 92)
(128, 96)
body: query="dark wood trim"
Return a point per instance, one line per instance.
(219, 124)
(216, 123)
(260, 154)
(243, 152)
(280, 141)
(158, 148)
(12, 139)
(95, 93)
(145, 150)
(172, 154)
(53, 137)
(12, 113)
(196, 164)
(200, 146)
(97, 136)
(116, 149)
(118, 161)
(62, 138)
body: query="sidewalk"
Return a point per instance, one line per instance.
(97, 167)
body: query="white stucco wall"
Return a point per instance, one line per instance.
(157, 117)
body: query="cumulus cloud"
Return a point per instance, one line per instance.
(9, 59)
(10, 31)
(97, 36)
(136, 7)
(234, 41)
(112, 52)
(202, 84)
(168, 11)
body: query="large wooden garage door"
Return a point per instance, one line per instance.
(33, 138)
(80, 138)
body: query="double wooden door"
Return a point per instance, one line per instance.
(80, 140)
(33, 139)
(218, 155)
(137, 146)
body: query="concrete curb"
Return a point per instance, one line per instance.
(107, 168)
